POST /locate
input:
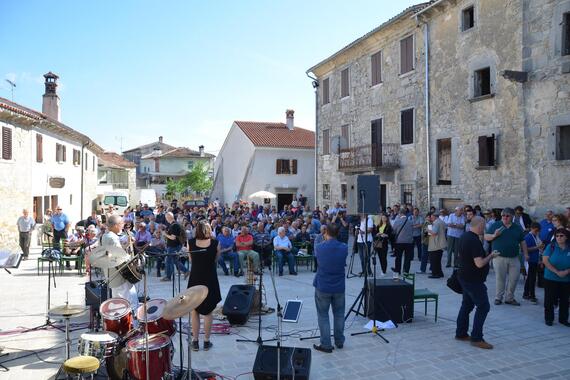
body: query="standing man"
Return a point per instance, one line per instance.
(173, 247)
(507, 238)
(119, 286)
(455, 228)
(472, 275)
(403, 242)
(329, 286)
(26, 225)
(417, 224)
(60, 226)
(436, 244)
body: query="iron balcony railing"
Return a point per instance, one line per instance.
(370, 157)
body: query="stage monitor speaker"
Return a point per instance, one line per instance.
(238, 304)
(363, 194)
(95, 293)
(391, 300)
(295, 363)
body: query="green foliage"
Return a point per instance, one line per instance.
(174, 187)
(198, 179)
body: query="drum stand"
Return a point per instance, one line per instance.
(48, 322)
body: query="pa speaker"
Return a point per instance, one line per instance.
(390, 300)
(295, 363)
(364, 194)
(95, 293)
(238, 304)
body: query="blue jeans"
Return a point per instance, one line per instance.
(174, 260)
(233, 257)
(424, 259)
(324, 301)
(474, 294)
(290, 260)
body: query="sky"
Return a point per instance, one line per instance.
(131, 71)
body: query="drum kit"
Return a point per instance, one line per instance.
(139, 346)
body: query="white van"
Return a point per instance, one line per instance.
(119, 200)
(146, 196)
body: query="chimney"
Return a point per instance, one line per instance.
(50, 104)
(159, 139)
(290, 119)
(201, 149)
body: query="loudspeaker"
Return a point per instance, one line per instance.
(390, 300)
(295, 363)
(95, 294)
(238, 304)
(363, 194)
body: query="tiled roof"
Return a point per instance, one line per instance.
(410, 10)
(115, 160)
(180, 152)
(153, 145)
(277, 135)
(9, 109)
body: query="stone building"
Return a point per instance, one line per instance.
(490, 77)
(44, 163)
(135, 155)
(116, 173)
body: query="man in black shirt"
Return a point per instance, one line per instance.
(473, 270)
(173, 247)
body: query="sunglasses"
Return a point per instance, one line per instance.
(506, 216)
(560, 235)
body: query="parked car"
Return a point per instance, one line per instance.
(194, 203)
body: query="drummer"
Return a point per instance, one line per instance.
(119, 286)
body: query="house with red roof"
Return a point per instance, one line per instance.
(270, 156)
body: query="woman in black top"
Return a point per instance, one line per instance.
(204, 254)
(384, 236)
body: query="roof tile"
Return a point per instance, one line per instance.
(277, 135)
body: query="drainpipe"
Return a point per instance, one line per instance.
(427, 112)
(316, 87)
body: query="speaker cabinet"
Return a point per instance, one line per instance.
(95, 294)
(390, 300)
(238, 304)
(363, 194)
(295, 363)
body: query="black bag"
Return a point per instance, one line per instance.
(454, 284)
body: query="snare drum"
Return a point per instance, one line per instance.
(98, 344)
(131, 272)
(156, 323)
(116, 315)
(160, 363)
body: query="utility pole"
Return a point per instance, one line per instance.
(12, 86)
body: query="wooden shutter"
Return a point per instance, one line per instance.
(277, 166)
(407, 126)
(376, 68)
(344, 83)
(293, 166)
(483, 151)
(326, 99)
(64, 153)
(39, 148)
(406, 54)
(566, 34)
(326, 142)
(6, 143)
(491, 149)
(344, 133)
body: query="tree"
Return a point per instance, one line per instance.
(198, 179)
(174, 187)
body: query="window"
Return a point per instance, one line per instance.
(286, 166)
(407, 54)
(467, 18)
(482, 85)
(6, 143)
(407, 126)
(326, 99)
(85, 160)
(326, 142)
(76, 157)
(343, 191)
(563, 142)
(344, 133)
(60, 153)
(326, 191)
(344, 80)
(486, 151)
(566, 34)
(444, 162)
(376, 65)
(39, 148)
(190, 165)
(407, 192)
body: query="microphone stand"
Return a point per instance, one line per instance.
(279, 327)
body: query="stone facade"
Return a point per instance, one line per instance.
(521, 117)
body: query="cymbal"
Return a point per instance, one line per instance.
(108, 257)
(67, 310)
(185, 302)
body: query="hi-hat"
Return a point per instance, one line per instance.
(185, 302)
(107, 257)
(67, 310)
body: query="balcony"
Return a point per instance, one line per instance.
(368, 157)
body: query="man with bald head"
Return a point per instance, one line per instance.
(473, 270)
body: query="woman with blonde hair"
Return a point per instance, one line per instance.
(204, 254)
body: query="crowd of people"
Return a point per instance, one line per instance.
(249, 235)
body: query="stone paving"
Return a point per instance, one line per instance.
(524, 347)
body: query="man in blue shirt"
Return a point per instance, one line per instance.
(329, 286)
(546, 227)
(227, 252)
(60, 225)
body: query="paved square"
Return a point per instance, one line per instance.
(524, 347)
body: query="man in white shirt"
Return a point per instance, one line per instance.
(26, 225)
(364, 234)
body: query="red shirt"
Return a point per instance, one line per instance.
(248, 239)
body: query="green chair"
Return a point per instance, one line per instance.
(306, 259)
(423, 295)
(77, 259)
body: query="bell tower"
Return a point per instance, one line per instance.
(50, 104)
